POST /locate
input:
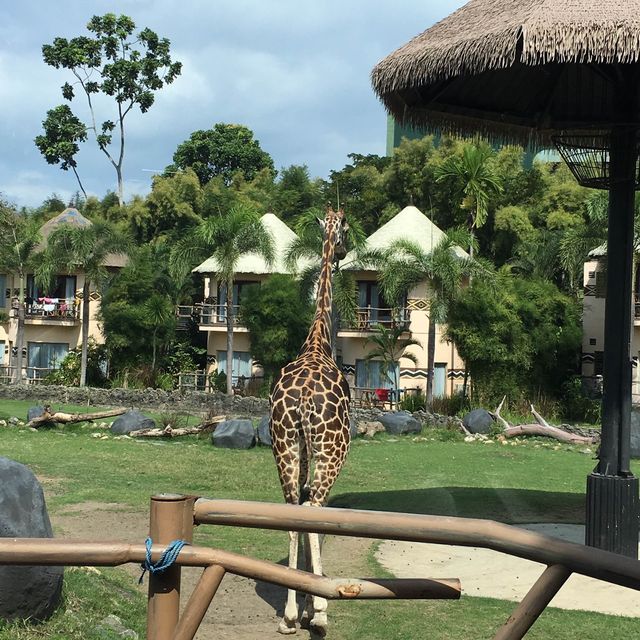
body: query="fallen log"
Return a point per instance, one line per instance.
(171, 432)
(540, 428)
(66, 418)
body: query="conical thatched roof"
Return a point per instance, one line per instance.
(517, 65)
(408, 224)
(252, 263)
(72, 217)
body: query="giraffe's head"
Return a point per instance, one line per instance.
(335, 227)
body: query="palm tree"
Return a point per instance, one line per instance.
(159, 310)
(405, 264)
(479, 180)
(389, 347)
(226, 238)
(86, 249)
(19, 239)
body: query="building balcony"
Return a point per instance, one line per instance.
(367, 318)
(210, 317)
(52, 311)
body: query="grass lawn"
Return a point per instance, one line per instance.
(436, 473)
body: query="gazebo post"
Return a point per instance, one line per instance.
(613, 507)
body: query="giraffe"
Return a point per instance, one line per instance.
(309, 422)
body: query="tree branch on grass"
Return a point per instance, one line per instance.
(540, 428)
(60, 417)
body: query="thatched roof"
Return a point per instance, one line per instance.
(518, 64)
(71, 216)
(254, 264)
(408, 224)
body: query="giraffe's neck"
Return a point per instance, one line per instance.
(319, 337)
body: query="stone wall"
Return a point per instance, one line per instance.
(161, 401)
(150, 399)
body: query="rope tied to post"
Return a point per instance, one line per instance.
(168, 557)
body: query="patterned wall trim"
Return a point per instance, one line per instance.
(414, 373)
(588, 357)
(417, 304)
(349, 369)
(590, 290)
(455, 374)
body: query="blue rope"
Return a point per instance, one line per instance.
(168, 557)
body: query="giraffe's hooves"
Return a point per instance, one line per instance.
(318, 625)
(305, 620)
(287, 627)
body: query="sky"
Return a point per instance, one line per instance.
(296, 72)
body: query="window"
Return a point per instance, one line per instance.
(598, 363)
(592, 341)
(439, 380)
(241, 364)
(369, 375)
(63, 287)
(239, 290)
(45, 355)
(369, 296)
(601, 284)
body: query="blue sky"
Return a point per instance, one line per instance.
(295, 72)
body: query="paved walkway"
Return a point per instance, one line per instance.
(484, 572)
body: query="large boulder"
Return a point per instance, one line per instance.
(635, 433)
(25, 592)
(263, 433)
(34, 412)
(131, 421)
(234, 434)
(478, 421)
(400, 422)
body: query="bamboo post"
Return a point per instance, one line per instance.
(171, 518)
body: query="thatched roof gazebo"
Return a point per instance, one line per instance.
(538, 71)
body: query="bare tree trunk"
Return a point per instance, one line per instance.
(85, 332)
(540, 428)
(431, 357)
(20, 333)
(84, 193)
(65, 418)
(229, 305)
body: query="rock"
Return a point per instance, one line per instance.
(25, 592)
(112, 624)
(34, 412)
(635, 433)
(369, 429)
(400, 422)
(353, 428)
(131, 421)
(13, 420)
(263, 433)
(478, 421)
(234, 434)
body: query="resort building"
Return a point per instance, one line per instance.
(53, 316)
(364, 376)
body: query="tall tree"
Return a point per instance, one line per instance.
(479, 182)
(81, 248)
(221, 151)
(278, 319)
(226, 238)
(19, 238)
(406, 264)
(59, 144)
(113, 62)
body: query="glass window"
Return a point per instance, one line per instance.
(46, 355)
(63, 288)
(241, 363)
(369, 375)
(439, 380)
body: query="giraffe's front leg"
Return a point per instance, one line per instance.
(288, 622)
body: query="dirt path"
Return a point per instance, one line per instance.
(242, 609)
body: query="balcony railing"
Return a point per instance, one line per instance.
(31, 375)
(216, 314)
(53, 308)
(368, 317)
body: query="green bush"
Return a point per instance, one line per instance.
(414, 401)
(68, 373)
(576, 405)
